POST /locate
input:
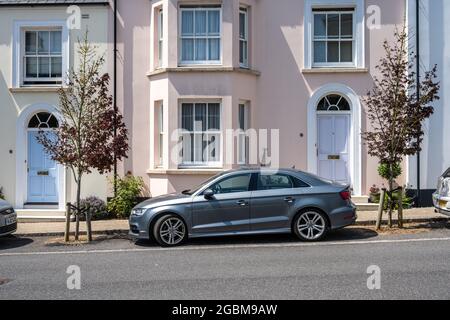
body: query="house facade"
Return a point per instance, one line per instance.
(434, 49)
(209, 85)
(194, 70)
(38, 45)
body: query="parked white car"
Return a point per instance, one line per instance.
(8, 219)
(441, 198)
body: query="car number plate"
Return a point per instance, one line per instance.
(11, 220)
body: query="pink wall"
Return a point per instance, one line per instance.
(279, 96)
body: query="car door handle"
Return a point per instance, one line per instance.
(242, 203)
(289, 199)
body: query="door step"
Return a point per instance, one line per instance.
(40, 215)
(367, 206)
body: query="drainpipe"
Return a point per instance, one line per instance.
(115, 91)
(418, 203)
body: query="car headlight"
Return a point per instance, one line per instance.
(138, 212)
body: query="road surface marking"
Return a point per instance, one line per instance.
(216, 247)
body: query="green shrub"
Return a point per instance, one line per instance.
(407, 202)
(385, 172)
(2, 195)
(129, 189)
(98, 208)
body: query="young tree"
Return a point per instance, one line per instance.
(395, 111)
(85, 140)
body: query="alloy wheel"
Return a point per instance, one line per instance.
(311, 225)
(172, 231)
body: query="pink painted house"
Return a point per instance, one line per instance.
(191, 70)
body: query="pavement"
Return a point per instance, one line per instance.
(121, 226)
(353, 263)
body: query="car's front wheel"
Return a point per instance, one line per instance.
(170, 230)
(310, 225)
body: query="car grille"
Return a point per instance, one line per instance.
(7, 212)
(7, 229)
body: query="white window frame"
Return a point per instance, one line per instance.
(358, 32)
(160, 33)
(161, 134)
(243, 139)
(181, 37)
(339, 40)
(20, 27)
(198, 164)
(245, 63)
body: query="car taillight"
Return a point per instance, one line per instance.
(346, 195)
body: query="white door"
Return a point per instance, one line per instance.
(42, 173)
(333, 147)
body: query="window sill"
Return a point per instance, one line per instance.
(35, 89)
(175, 172)
(203, 69)
(334, 70)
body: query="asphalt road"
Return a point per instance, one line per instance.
(415, 266)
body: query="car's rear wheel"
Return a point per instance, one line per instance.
(311, 225)
(170, 230)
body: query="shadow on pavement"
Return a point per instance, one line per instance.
(12, 242)
(338, 235)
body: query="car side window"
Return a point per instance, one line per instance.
(240, 183)
(279, 181)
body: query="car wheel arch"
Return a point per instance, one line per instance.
(162, 214)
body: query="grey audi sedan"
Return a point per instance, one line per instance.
(247, 202)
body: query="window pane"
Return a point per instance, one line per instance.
(320, 51)
(44, 42)
(272, 182)
(56, 42)
(347, 26)
(56, 67)
(242, 26)
(214, 116)
(200, 49)
(333, 51)
(212, 150)
(346, 51)
(333, 26)
(30, 42)
(188, 148)
(200, 117)
(199, 146)
(187, 22)
(320, 25)
(214, 22)
(44, 67)
(187, 114)
(214, 49)
(31, 67)
(187, 49)
(233, 185)
(200, 23)
(242, 124)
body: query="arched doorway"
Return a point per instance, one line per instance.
(334, 139)
(42, 171)
(40, 116)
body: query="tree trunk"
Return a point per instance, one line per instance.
(78, 211)
(88, 225)
(390, 195)
(381, 208)
(400, 208)
(67, 231)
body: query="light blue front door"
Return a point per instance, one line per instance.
(42, 173)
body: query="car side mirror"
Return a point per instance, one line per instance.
(208, 194)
